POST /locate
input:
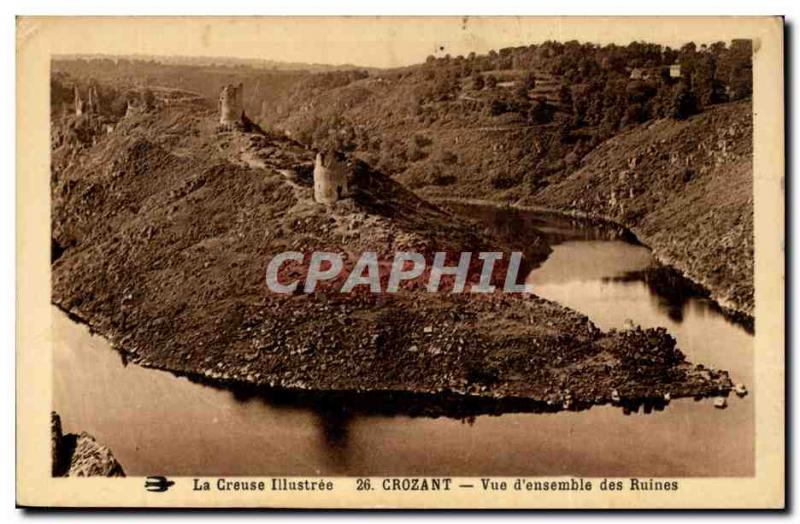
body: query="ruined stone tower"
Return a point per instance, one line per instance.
(330, 178)
(80, 105)
(231, 104)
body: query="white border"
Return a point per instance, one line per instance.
(565, 7)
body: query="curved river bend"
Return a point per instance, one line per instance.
(156, 423)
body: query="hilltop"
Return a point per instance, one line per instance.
(163, 224)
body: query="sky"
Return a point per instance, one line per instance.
(367, 41)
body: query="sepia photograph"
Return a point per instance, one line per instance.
(381, 257)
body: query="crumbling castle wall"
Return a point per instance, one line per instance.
(330, 179)
(231, 104)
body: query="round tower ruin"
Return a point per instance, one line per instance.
(330, 178)
(80, 105)
(231, 104)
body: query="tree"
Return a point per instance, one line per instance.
(684, 103)
(491, 81)
(118, 105)
(737, 69)
(478, 82)
(497, 107)
(689, 48)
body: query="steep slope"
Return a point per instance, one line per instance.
(685, 188)
(162, 230)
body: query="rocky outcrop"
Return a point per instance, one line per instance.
(56, 437)
(80, 455)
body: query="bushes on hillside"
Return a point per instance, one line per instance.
(564, 98)
(541, 112)
(684, 103)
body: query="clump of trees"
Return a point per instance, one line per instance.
(611, 86)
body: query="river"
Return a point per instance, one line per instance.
(159, 424)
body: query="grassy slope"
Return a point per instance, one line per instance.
(685, 188)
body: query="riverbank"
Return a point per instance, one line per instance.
(279, 432)
(557, 360)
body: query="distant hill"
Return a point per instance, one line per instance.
(507, 124)
(205, 61)
(115, 77)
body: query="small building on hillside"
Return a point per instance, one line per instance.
(637, 73)
(652, 73)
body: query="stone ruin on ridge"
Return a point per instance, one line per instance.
(231, 105)
(330, 178)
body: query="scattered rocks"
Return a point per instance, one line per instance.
(80, 455)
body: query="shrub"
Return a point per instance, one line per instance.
(684, 104)
(541, 112)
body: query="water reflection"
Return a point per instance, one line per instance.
(673, 293)
(524, 227)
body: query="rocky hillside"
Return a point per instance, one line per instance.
(685, 188)
(163, 225)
